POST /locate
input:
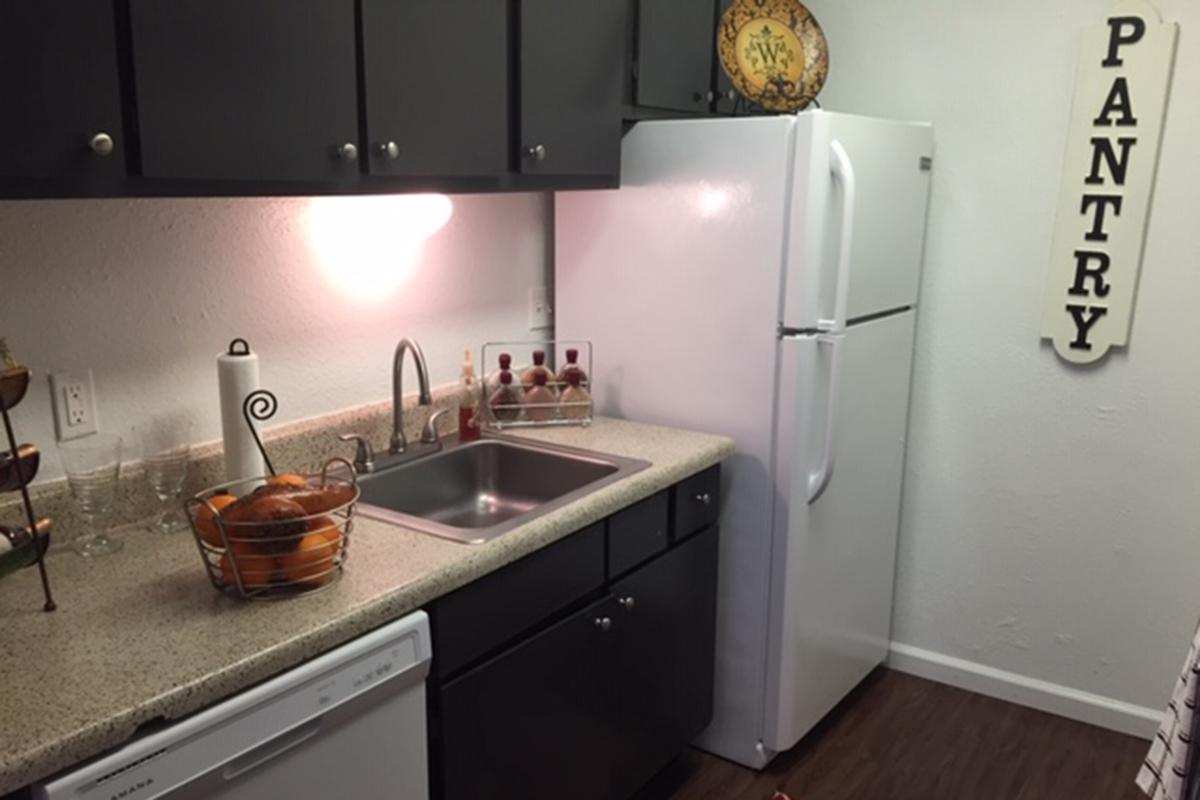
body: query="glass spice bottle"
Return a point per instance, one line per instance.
(575, 402)
(539, 400)
(528, 378)
(572, 365)
(505, 402)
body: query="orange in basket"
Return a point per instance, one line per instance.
(205, 522)
(255, 575)
(311, 560)
(289, 479)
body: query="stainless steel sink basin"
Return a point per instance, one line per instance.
(475, 492)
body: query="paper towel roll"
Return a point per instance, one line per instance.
(237, 376)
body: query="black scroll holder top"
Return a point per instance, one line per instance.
(261, 406)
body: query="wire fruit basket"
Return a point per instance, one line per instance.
(276, 536)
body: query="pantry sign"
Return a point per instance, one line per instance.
(1121, 89)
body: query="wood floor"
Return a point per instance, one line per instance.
(903, 738)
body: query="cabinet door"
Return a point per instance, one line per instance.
(436, 78)
(665, 632)
(571, 67)
(727, 96)
(265, 90)
(533, 723)
(60, 88)
(676, 48)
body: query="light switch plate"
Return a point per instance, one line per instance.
(541, 313)
(73, 396)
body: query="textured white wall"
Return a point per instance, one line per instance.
(147, 292)
(1051, 520)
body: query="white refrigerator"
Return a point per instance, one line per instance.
(758, 277)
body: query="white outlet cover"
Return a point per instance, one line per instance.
(73, 397)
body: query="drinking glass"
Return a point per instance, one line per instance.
(166, 450)
(92, 465)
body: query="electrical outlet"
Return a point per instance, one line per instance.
(74, 401)
(541, 314)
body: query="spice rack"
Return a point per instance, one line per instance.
(559, 414)
(18, 467)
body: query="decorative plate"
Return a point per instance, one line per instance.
(774, 52)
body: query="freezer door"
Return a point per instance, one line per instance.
(834, 551)
(889, 162)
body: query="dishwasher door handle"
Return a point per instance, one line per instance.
(272, 748)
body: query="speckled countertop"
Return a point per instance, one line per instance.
(142, 635)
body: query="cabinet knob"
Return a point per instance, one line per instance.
(704, 499)
(706, 97)
(102, 144)
(627, 603)
(604, 624)
(348, 152)
(731, 94)
(389, 150)
(537, 152)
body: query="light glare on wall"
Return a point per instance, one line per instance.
(367, 246)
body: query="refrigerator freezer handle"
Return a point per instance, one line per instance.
(843, 171)
(818, 481)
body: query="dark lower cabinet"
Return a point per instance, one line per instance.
(246, 91)
(587, 703)
(571, 67)
(534, 721)
(664, 635)
(435, 79)
(61, 93)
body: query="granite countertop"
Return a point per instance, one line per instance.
(142, 635)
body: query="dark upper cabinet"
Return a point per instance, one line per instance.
(726, 95)
(532, 723)
(675, 52)
(61, 92)
(571, 67)
(435, 76)
(235, 90)
(664, 637)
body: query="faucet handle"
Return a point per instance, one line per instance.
(364, 456)
(429, 434)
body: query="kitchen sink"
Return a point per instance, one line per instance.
(477, 491)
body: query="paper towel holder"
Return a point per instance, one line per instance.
(261, 406)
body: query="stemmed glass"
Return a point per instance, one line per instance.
(93, 465)
(165, 453)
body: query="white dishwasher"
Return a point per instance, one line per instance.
(350, 723)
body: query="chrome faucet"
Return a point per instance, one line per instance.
(399, 443)
(399, 452)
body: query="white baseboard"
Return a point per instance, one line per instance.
(1064, 701)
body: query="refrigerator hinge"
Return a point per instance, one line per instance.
(926, 163)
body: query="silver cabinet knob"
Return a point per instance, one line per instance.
(537, 152)
(706, 97)
(389, 150)
(348, 151)
(731, 94)
(604, 624)
(627, 603)
(704, 499)
(102, 144)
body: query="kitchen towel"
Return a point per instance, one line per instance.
(1167, 772)
(237, 376)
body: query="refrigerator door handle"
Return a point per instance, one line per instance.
(818, 481)
(843, 171)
